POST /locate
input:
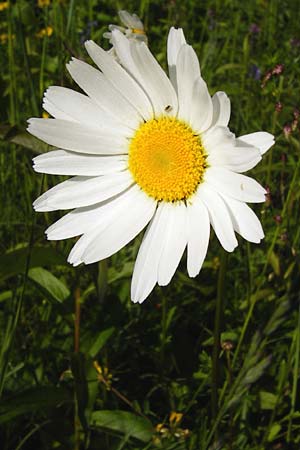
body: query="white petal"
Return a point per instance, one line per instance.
(77, 137)
(129, 223)
(95, 84)
(260, 139)
(237, 159)
(174, 242)
(130, 20)
(219, 217)
(81, 220)
(138, 60)
(145, 273)
(175, 41)
(244, 220)
(66, 104)
(188, 71)
(62, 162)
(235, 185)
(154, 80)
(221, 109)
(95, 220)
(201, 109)
(120, 79)
(217, 137)
(83, 191)
(122, 47)
(55, 111)
(198, 235)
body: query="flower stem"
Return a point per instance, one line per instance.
(217, 334)
(76, 350)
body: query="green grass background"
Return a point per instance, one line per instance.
(237, 392)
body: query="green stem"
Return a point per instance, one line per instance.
(76, 350)
(217, 333)
(274, 240)
(295, 379)
(12, 324)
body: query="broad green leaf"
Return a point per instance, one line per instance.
(32, 400)
(115, 275)
(229, 336)
(267, 400)
(124, 422)
(14, 262)
(275, 429)
(100, 341)
(6, 295)
(49, 284)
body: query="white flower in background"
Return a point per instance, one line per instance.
(147, 150)
(134, 28)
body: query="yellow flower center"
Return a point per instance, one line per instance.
(166, 159)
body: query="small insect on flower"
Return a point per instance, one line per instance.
(147, 150)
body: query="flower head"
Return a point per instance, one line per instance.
(43, 3)
(4, 5)
(134, 27)
(48, 31)
(149, 151)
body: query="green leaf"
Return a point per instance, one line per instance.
(275, 429)
(51, 286)
(33, 400)
(275, 263)
(100, 341)
(6, 295)
(229, 66)
(267, 400)
(125, 272)
(20, 137)
(14, 262)
(124, 422)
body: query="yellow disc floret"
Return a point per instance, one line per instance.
(166, 159)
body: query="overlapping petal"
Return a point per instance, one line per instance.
(83, 191)
(175, 41)
(260, 139)
(63, 162)
(116, 230)
(78, 137)
(120, 79)
(137, 59)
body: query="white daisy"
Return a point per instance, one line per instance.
(146, 149)
(134, 27)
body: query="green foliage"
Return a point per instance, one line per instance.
(132, 366)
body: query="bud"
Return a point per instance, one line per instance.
(278, 107)
(227, 346)
(278, 69)
(254, 28)
(287, 129)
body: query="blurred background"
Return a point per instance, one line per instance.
(81, 367)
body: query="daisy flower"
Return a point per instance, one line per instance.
(134, 28)
(147, 150)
